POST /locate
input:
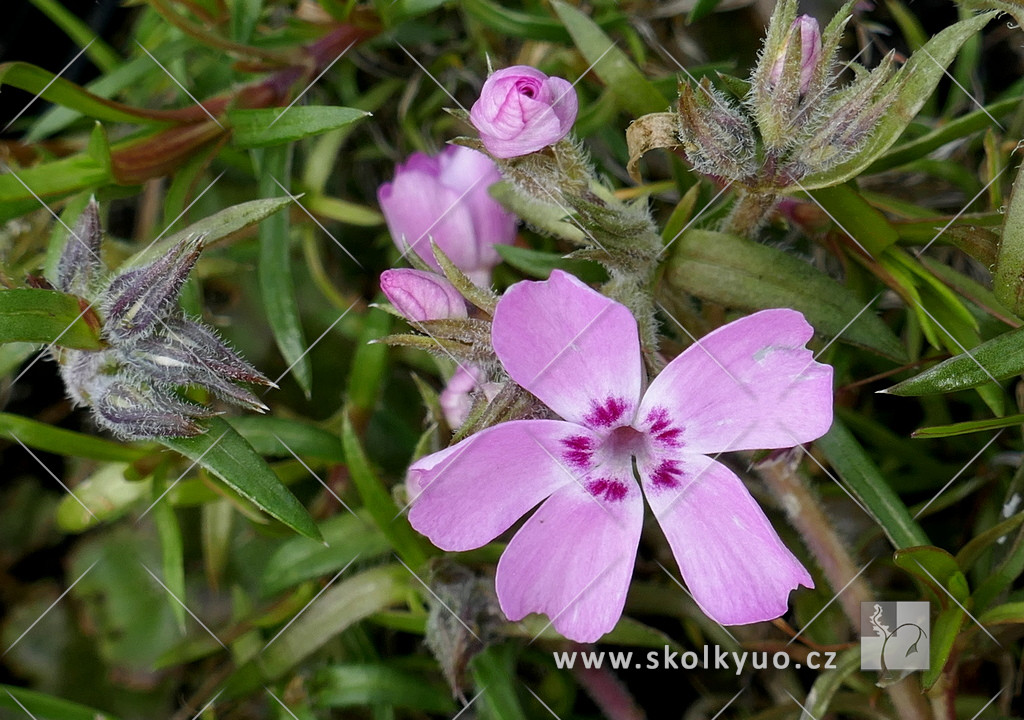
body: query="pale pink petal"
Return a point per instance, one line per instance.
(418, 209)
(572, 347)
(466, 495)
(730, 556)
(749, 384)
(573, 559)
(471, 173)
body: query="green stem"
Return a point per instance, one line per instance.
(749, 213)
(805, 513)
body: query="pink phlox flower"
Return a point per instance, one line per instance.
(750, 384)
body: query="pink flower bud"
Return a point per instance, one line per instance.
(457, 397)
(444, 198)
(810, 52)
(420, 296)
(521, 110)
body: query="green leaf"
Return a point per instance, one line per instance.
(172, 553)
(857, 470)
(94, 47)
(347, 537)
(937, 569)
(226, 454)
(369, 364)
(277, 284)
(744, 274)
(1008, 614)
(275, 126)
(280, 437)
(907, 92)
(378, 501)
(539, 264)
(494, 673)
(996, 359)
(945, 133)
(339, 607)
(215, 227)
(47, 316)
(45, 707)
(1007, 280)
(633, 90)
(944, 634)
(509, 22)
(343, 211)
(864, 224)
(378, 684)
(970, 552)
(828, 683)
(59, 441)
(702, 8)
(34, 80)
(965, 428)
(103, 496)
(50, 181)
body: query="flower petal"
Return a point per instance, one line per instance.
(418, 209)
(466, 495)
(730, 556)
(573, 560)
(749, 384)
(575, 349)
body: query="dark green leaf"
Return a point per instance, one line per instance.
(633, 90)
(937, 569)
(280, 437)
(744, 274)
(375, 685)
(857, 470)
(64, 442)
(274, 126)
(867, 226)
(342, 605)
(944, 634)
(47, 316)
(348, 537)
(965, 428)
(45, 707)
(1007, 280)
(494, 672)
(378, 501)
(996, 359)
(538, 264)
(227, 455)
(702, 8)
(970, 552)
(277, 284)
(35, 80)
(215, 227)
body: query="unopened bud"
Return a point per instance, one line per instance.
(422, 296)
(79, 265)
(138, 298)
(806, 29)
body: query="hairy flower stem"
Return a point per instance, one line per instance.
(749, 213)
(779, 472)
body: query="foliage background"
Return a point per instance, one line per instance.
(277, 625)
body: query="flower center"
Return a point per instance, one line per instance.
(626, 441)
(527, 88)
